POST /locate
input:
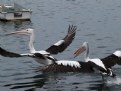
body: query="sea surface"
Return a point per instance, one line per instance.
(98, 22)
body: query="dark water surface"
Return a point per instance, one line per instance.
(98, 22)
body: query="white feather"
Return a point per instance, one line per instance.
(43, 52)
(27, 54)
(117, 53)
(98, 62)
(59, 43)
(70, 63)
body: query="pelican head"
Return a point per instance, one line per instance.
(30, 32)
(83, 48)
(27, 31)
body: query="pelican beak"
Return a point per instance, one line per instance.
(79, 51)
(21, 32)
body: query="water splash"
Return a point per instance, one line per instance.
(114, 81)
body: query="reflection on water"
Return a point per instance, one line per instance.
(99, 87)
(56, 82)
(13, 25)
(38, 82)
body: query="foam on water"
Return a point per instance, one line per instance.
(114, 81)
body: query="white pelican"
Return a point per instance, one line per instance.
(102, 65)
(58, 47)
(109, 61)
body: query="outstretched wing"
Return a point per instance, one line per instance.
(59, 68)
(61, 45)
(68, 67)
(111, 60)
(5, 53)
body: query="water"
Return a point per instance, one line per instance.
(98, 22)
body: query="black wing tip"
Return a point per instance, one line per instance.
(72, 29)
(5, 53)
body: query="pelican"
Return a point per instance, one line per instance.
(56, 48)
(103, 65)
(109, 61)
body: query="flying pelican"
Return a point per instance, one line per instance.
(104, 65)
(58, 47)
(109, 61)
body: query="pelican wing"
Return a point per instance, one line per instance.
(60, 68)
(55, 67)
(103, 71)
(6, 53)
(61, 45)
(111, 60)
(98, 67)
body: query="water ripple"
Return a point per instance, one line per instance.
(90, 34)
(98, 22)
(102, 47)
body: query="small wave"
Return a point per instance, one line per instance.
(114, 81)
